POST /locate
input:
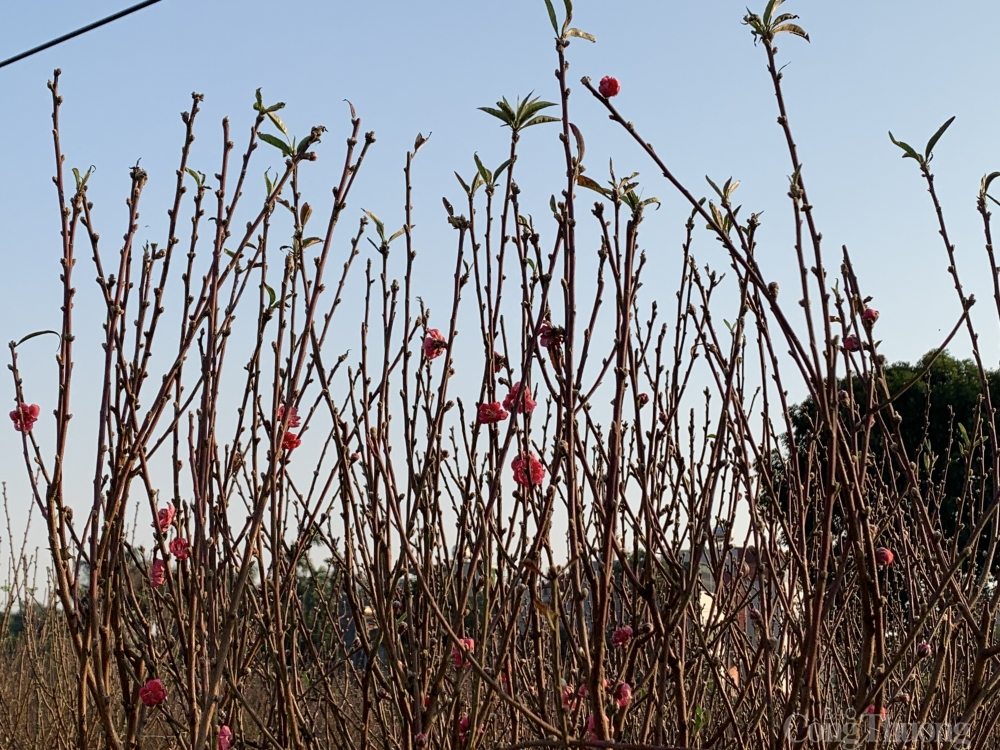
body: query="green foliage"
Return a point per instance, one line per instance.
(910, 153)
(767, 26)
(523, 114)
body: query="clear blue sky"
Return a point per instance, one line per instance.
(692, 80)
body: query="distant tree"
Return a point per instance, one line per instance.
(939, 413)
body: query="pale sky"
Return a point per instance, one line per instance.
(692, 82)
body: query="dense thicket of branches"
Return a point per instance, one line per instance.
(389, 546)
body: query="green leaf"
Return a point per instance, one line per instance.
(465, 187)
(552, 205)
(271, 296)
(569, 14)
(936, 137)
(584, 181)
(530, 107)
(984, 186)
(502, 167)
(32, 335)
(784, 17)
(275, 107)
(539, 120)
(277, 143)
(496, 113)
(277, 122)
(199, 178)
(580, 145)
(552, 16)
(531, 263)
(259, 104)
(907, 148)
(769, 9)
(378, 223)
(396, 235)
(790, 28)
(715, 187)
(701, 717)
(720, 222)
(483, 171)
(310, 241)
(581, 35)
(267, 181)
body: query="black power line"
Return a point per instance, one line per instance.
(84, 30)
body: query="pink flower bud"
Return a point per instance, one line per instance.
(420, 740)
(870, 711)
(294, 420)
(460, 651)
(869, 316)
(643, 399)
(225, 737)
(164, 517)
(152, 693)
(180, 548)
(24, 417)
(491, 413)
(852, 343)
(623, 694)
(290, 441)
(434, 344)
(527, 404)
(924, 650)
(568, 698)
(158, 573)
(463, 727)
(621, 636)
(528, 470)
(609, 86)
(884, 556)
(549, 336)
